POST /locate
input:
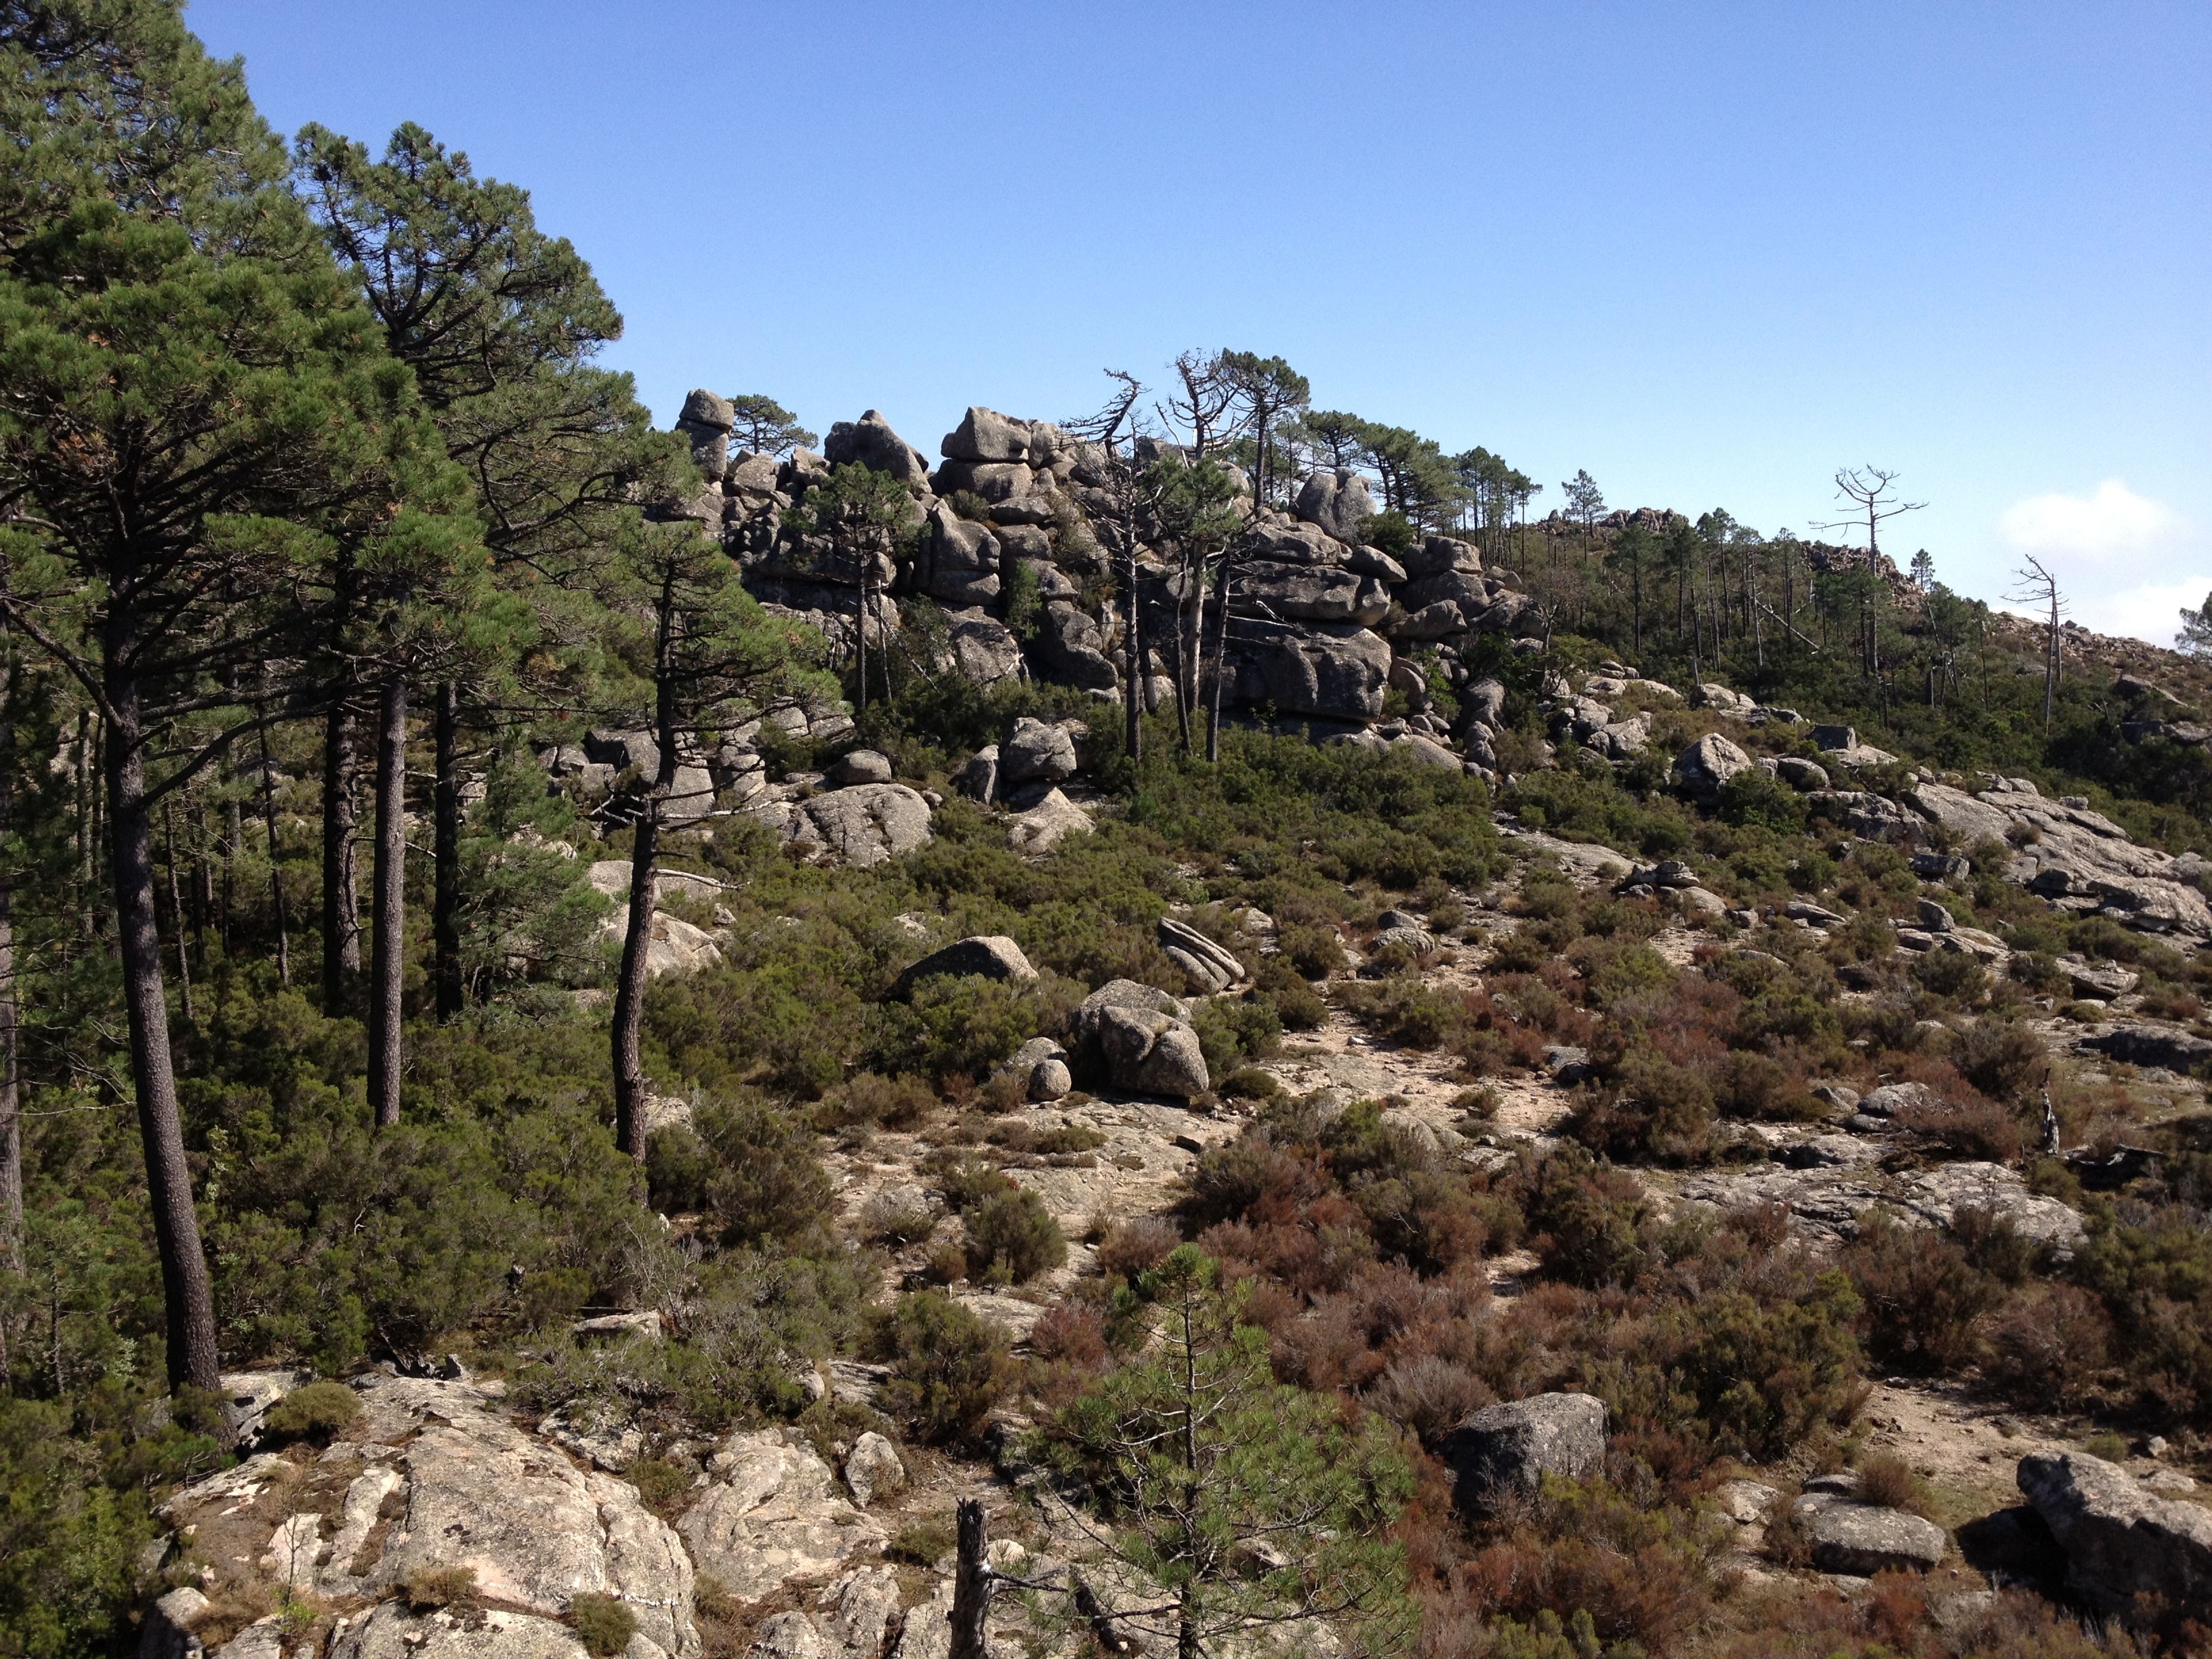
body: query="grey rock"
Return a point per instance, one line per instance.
(626, 751)
(390, 1630)
(1431, 622)
(1440, 553)
(791, 1635)
(1374, 561)
(1707, 764)
(1217, 965)
(1712, 695)
(2102, 980)
(1800, 773)
(869, 823)
(1418, 940)
(860, 766)
(993, 481)
(1934, 917)
(992, 956)
(2121, 1541)
(1152, 1054)
(618, 1328)
(1508, 1448)
(872, 1466)
(167, 1631)
(984, 435)
(1300, 593)
(1337, 501)
(984, 648)
(979, 778)
(1940, 866)
(867, 1603)
(1035, 751)
(1427, 751)
(2149, 1045)
(709, 409)
(870, 441)
(1484, 701)
(1894, 1097)
(1336, 671)
(769, 1514)
(959, 560)
(1043, 826)
(1833, 738)
(1070, 646)
(1864, 1538)
(1819, 914)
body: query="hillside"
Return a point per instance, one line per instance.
(1165, 1032)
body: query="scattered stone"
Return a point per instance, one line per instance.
(872, 1466)
(1894, 1097)
(618, 1328)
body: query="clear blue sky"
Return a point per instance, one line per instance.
(1710, 252)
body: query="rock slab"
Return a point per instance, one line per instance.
(2121, 1540)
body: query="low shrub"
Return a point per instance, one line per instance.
(429, 1585)
(947, 1367)
(2048, 1346)
(897, 1220)
(1923, 1298)
(1012, 1236)
(603, 1624)
(1137, 1246)
(1885, 1479)
(315, 1413)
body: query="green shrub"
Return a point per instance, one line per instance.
(1315, 951)
(1012, 1237)
(947, 1367)
(1590, 1221)
(1922, 1298)
(603, 1624)
(768, 1183)
(922, 1541)
(314, 1412)
(1953, 974)
(1230, 1029)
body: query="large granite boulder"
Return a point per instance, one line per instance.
(870, 441)
(1070, 646)
(1337, 671)
(1508, 1448)
(1044, 825)
(984, 435)
(770, 1514)
(1337, 501)
(432, 1474)
(1702, 768)
(1441, 553)
(869, 823)
(1143, 1039)
(1304, 592)
(992, 955)
(1036, 751)
(2121, 1540)
(984, 649)
(959, 560)
(1865, 1539)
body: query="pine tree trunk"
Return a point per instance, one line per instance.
(11, 1125)
(1132, 712)
(276, 870)
(341, 901)
(177, 913)
(1220, 672)
(629, 985)
(971, 1582)
(188, 1299)
(389, 903)
(445, 912)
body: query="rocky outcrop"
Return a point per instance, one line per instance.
(863, 825)
(2149, 1045)
(1045, 825)
(1336, 671)
(872, 1466)
(770, 1514)
(1509, 1449)
(1037, 752)
(1214, 967)
(432, 1474)
(2121, 1541)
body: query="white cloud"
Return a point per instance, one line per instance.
(2126, 564)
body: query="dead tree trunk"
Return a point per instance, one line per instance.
(971, 1582)
(388, 956)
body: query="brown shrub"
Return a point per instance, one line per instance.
(2048, 1343)
(1885, 1479)
(1137, 1246)
(1428, 1396)
(1923, 1297)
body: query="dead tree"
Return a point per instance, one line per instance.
(1868, 490)
(2033, 583)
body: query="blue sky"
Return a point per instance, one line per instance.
(1710, 252)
